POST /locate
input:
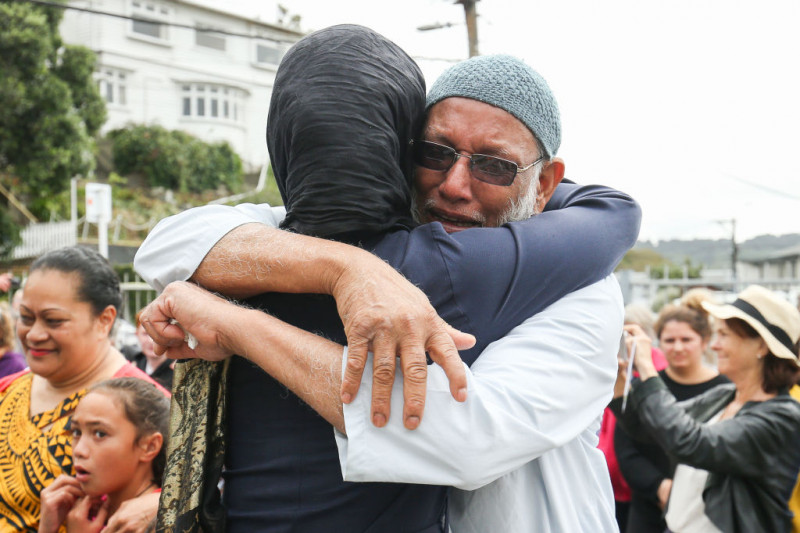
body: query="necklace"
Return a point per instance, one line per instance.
(149, 485)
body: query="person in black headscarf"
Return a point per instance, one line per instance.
(282, 468)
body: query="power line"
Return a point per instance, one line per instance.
(44, 3)
(762, 187)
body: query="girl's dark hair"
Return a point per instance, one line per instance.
(6, 328)
(99, 284)
(690, 311)
(147, 408)
(779, 372)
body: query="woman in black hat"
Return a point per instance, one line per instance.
(736, 445)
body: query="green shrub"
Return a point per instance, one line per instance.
(175, 159)
(9, 235)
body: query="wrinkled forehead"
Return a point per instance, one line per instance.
(454, 117)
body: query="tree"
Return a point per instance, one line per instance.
(175, 159)
(50, 108)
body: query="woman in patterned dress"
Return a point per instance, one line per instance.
(67, 311)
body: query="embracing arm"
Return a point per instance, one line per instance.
(501, 276)
(224, 251)
(529, 393)
(178, 247)
(309, 365)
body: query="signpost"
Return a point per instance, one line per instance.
(98, 211)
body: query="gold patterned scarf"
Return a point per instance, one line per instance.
(190, 499)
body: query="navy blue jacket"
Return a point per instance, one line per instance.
(282, 465)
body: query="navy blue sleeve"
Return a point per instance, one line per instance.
(489, 280)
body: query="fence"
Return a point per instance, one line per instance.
(640, 288)
(39, 238)
(135, 295)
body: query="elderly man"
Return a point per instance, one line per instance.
(479, 191)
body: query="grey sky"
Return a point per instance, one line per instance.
(691, 106)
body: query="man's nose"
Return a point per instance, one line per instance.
(457, 184)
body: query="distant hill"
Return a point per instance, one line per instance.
(716, 253)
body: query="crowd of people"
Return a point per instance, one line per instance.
(302, 335)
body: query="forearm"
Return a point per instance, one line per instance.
(309, 365)
(254, 258)
(178, 244)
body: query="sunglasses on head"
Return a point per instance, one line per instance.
(486, 168)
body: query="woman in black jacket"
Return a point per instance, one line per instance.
(735, 446)
(683, 332)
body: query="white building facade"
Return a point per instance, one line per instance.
(158, 65)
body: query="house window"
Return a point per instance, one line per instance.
(269, 53)
(112, 85)
(209, 39)
(212, 102)
(149, 20)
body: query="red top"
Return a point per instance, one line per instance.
(127, 370)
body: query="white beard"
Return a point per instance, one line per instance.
(526, 204)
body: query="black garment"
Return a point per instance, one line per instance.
(379, 96)
(752, 458)
(162, 375)
(644, 464)
(375, 108)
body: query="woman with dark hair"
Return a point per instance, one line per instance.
(683, 331)
(68, 308)
(735, 445)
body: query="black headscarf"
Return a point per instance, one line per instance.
(345, 105)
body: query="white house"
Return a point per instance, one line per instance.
(773, 267)
(159, 64)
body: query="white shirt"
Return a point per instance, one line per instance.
(178, 244)
(686, 512)
(522, 449)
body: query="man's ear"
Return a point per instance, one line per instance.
(549, 178)
(150, 445)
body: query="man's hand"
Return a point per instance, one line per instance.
(57, 499)
(134, 515)
(186, 308)
(385, 313)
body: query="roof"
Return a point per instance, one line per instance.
(268, 25)
(772, 255)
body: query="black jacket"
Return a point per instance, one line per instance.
(162, 375)
(752, 458)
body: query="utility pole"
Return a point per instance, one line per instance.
(734, 250)
(472, 25)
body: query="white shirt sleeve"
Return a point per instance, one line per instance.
(178, 244)
(530, 392)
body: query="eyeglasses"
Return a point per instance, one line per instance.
(486, 168)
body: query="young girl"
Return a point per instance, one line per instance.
(119, 453)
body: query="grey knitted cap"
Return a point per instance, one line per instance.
(505, 82)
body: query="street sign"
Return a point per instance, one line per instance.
(98, 203)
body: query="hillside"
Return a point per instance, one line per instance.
(716, 253)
